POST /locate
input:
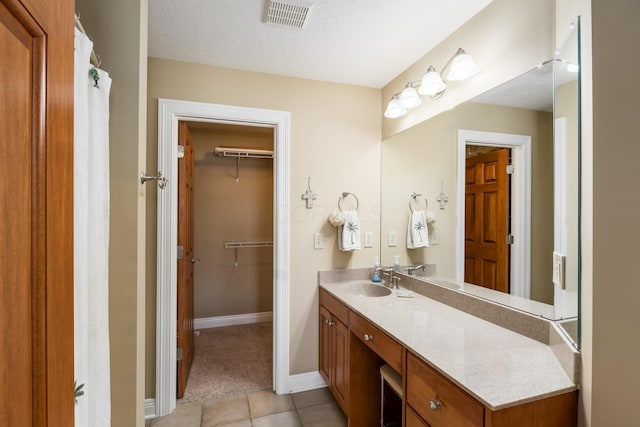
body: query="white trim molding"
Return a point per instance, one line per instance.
(149, 409)
(170, 112)
(520, 203)
(306, 381)
(236, 319)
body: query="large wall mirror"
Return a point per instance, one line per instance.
(500, 176)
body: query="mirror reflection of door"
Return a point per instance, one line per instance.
(487, 218)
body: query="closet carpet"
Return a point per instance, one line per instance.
(230, 360)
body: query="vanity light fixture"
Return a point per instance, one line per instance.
(395, 108)
(409, 97)
(460, 67)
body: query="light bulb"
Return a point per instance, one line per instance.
(409, 97)
(395, 109)
(462, 67)
(432, 83)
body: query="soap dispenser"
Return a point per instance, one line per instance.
(376, 265)
(396, 263)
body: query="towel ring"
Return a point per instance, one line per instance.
(346, 194)
(414, 198)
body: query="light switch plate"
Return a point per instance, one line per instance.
(318, 241)
(392, 239)
(368, 239)
(558, 270)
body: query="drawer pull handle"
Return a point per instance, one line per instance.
(368, 337)
(435, 404)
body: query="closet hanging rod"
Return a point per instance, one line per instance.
(234, 244)
(250, 153)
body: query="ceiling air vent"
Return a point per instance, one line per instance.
(290, 13)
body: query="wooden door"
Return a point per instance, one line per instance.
(486, 252)
(36, 212)
(186, 262)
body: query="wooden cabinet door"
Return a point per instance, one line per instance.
(36, 212)
(341, 363)
(326, 350)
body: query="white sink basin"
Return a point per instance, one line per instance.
(367, 289)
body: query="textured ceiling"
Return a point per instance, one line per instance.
(360, 42)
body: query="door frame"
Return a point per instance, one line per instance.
(170, 112)
(520, 271)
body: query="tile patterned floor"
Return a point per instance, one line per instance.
(315, 408)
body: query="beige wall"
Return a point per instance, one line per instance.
(614, 347)
(226, 209)
(123, 53)
(505, 39)
(429, 152)
(335, 140)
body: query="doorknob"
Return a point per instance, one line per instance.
(195, 260)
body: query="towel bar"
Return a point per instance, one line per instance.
(346, 194)
(414, 198)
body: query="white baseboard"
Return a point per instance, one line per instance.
(238, 319)
(304, 382)
(296, 383)
(149, 409)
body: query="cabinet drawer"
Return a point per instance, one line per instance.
(336, 308)
(414, 420)
(438, 400)
(378, 341)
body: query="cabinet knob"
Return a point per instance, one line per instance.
(329, 322)
(435, 404)
(368, 337)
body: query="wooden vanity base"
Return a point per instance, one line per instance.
(429, 398)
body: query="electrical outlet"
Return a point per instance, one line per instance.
(368, 239)
(392, 239)
(318, 241)
(558, 270)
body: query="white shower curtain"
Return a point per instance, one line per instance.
(91, 239)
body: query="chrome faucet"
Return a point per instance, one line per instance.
(412, 268)
(388, 273)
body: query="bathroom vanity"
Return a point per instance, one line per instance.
(457, 369)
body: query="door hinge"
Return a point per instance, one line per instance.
(179, 354)
(510, 169)
(180, 252)
(180, 151)
(509, 239)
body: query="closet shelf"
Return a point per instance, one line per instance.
(248, 153)
(242, 153)
(235, 244)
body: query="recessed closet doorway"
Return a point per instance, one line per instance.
(232, 222)
(170, 114)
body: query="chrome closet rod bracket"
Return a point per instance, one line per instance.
(162, 181)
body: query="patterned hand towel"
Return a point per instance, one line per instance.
(417, 233)
(349, 233)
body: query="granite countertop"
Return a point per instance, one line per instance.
(497, 366)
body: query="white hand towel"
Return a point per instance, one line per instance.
(417, 233)
(349, 233)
